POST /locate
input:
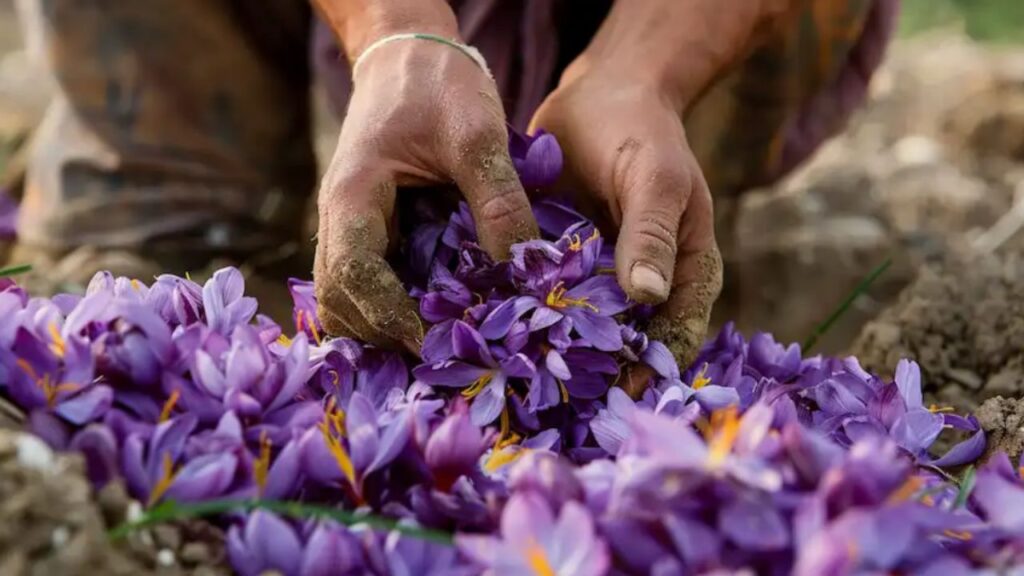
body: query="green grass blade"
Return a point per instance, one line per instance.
(966, 486)
(171, 511)
(859, 289)
(15, 270)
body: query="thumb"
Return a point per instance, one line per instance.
(645, 256)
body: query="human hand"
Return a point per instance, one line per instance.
(627, 155)
(421, 113)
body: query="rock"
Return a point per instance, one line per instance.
(1002, 419)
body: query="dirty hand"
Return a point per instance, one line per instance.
(618, 113)
(626, 148)
(421, 113)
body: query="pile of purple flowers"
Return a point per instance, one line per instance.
(511, 432)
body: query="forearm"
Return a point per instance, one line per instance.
(358, 23)
(682, 46)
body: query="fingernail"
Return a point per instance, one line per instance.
(648, 282)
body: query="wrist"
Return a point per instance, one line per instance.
(680, 47)
(360, 23)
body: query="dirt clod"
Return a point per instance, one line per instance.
(1002, 419)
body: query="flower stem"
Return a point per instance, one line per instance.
(859, 289)
(169, 511)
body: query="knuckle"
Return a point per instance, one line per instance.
(504, 204)
(656, 233)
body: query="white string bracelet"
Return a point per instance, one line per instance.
(466, 49)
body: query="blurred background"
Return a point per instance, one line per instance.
(932, 170)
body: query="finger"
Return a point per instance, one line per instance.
(645, 256)
(682, 322)
(483, 171)
(354, 282)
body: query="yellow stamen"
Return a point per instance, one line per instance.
(136, 285)
(172, 400)
(538, 561)
(312, 328)
(575, 243)
(335, 416)
(556, 299)
(477, 387)
(701, 380)
(188, 276)
(261, 467)
(721, 434)
(284, 340)
(58, 345)
(906, 490)
(337, 450)
(50, 390)
(166, 479)
(506, 426)
(335, 378)
(565, 391)
(959, 535)
(505, 452)
(936, 409)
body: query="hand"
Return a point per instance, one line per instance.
(421, 113)
(627, 153)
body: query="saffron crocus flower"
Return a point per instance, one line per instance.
(225, 303)
(265, 543)
(55, 376)
(478, 371)
(159, 466)
(537, 159)
(557, 282)
(454, 448)
(408, 556)
(350, 445)
(305, 310)
(534, 541)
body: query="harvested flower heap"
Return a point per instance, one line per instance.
(510, 446)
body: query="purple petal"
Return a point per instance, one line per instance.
(963, 452)
(518, 366)
(283, 476)
(332, 550)
(469, 345)
(450, 373)
(660, 359)
(908, 379)
(603, 292)
(917, 430)
(203, 478)
(489, 403)
(754, 526)
(87, 406)
(501, 319)
(712, 398)
(437, 344)
(587, 385)
(601, 332)
(544, 317)
(556, 365)
(99, 448)
(274, 542)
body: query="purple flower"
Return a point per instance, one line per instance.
(224, 301)
(481, 373)
(534, 541)
(537, 158)
(557, 282)
(454, 448)
(305, 311)
(265, 543)
(55, 375)
(349, 446)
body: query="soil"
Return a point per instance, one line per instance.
(54, 523)
(963, 322)
(1003, 422)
